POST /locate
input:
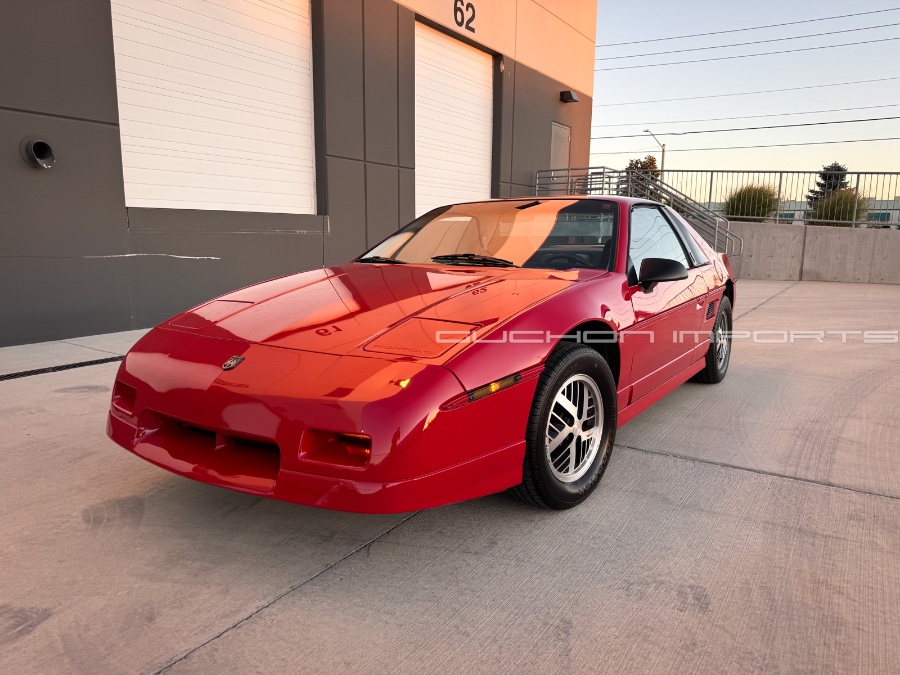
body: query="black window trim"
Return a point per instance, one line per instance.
(687, 241)
(630, 272)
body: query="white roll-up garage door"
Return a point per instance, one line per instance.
(215, 104)
(454, 121)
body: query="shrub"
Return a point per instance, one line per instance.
(755, 203)
(840, 206)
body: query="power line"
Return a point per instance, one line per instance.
(747, 93)
(777, 126)
(632, 152)
(752, 147)
(786, 145)
(747, 56)
(743, 30)
(745, 44)
(745, 117)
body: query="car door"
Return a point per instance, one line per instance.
(667, 316)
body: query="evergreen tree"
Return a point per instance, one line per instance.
(831, 179)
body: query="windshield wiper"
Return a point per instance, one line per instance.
(474, 259)
(379, 259)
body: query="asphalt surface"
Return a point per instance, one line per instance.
(749, 527)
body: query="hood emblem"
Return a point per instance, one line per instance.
(232, 363)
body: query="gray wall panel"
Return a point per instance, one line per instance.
(380, 22)
(516, 190)
(507, 116)
(75, 208)
(406, 87)
(346, 235)
(57, 57)
(537, 106)
(51, 298)
(57, 226)
(382, 205)
(187, 220)
(407, 197)
(342, 53)
(209, 264)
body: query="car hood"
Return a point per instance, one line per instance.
(411, 311)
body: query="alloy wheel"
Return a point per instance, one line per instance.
(574, 428)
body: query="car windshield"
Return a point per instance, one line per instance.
(558, 234)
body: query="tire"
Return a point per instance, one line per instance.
(569, 473)
(717, 367)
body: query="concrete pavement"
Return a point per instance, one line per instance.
(752, 526)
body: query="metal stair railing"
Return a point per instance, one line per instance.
(714, 229)
(711, 226)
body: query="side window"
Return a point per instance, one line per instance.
(652, 237)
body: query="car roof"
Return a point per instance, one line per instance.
(609, 198)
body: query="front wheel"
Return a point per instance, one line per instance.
(719, 355)
(571, 429)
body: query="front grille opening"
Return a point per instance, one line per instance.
(210, 435)
(225, 458)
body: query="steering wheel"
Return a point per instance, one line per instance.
(577, 259)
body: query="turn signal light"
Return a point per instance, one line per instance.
(343, 449)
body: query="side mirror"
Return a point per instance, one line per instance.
(656, 270)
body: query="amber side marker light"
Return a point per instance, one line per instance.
(481, 392)
(342, 449)
(493, 387)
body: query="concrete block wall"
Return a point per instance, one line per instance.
(811, 253)
(770, 251)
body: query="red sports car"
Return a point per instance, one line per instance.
(486, 346)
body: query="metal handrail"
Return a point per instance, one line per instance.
(731, 244)
(710, 225)
(822, 197)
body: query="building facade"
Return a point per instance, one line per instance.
(159, 153)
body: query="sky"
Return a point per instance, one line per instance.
(626, 22)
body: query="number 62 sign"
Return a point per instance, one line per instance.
(464, 15)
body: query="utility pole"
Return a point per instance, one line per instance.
(662, 166)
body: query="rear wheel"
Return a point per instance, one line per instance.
(571, 429)
(719, 355)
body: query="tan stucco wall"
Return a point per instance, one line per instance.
(554, 38)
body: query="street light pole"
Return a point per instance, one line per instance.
(662, 167)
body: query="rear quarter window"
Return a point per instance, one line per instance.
(689, 236)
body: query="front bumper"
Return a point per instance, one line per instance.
(243, 429)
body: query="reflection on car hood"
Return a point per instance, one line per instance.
(360, 308)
